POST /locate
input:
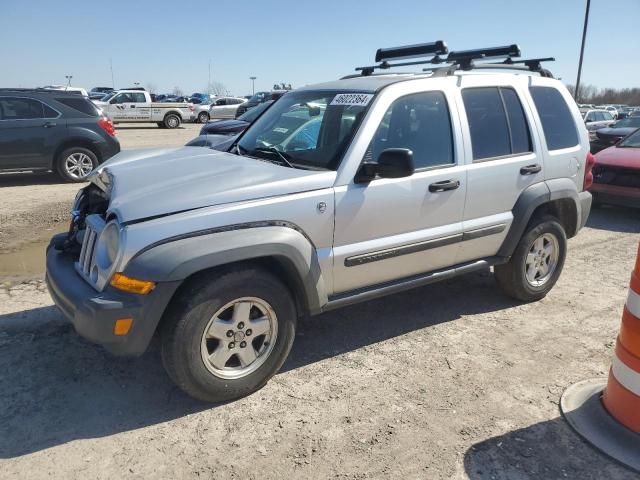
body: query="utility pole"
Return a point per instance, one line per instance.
(584, 37)
(209, 84)
(68, 77)
(253, 84)
(113, 84)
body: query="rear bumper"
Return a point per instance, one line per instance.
(108, 148)
(585, 207)
(93, 314)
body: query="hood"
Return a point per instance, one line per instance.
(224, 126)
(164, 181)
(615, 132)
(625, 157)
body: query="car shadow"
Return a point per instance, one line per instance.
(142, 127)
(28, 178)
(545, 450)
(48, 369)
(615, 219)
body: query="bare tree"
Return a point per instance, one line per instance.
(591, 94)
(151, 87)
(217, 88)
(177, 91)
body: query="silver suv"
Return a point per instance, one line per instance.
(341, 192)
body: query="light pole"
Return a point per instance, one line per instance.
(253, 84)
(209, 84)
(584, 37)
(68, 77)
(113, 83)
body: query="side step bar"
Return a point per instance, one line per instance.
(396, 286)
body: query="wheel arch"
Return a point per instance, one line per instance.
(557, 197)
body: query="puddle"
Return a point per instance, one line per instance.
(28, 261)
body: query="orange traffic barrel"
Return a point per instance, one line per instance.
(607, 414)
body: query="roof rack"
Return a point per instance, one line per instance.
(438, 48)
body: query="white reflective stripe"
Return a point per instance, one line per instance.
(633, 303)
(628, 378)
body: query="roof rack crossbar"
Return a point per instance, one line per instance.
(366, 71)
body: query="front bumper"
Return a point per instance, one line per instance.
(616, 195)
(93, 314)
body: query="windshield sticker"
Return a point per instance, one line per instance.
(281, 130)
(360, 99)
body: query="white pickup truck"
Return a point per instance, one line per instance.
(137, 106)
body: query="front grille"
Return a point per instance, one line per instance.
(86, 262)
(621, 177)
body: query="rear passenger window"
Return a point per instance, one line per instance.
(497, 123)
(419, 122)
(557, 121)
(19, 108)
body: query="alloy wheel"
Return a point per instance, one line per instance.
(542, 259)
(78, 165)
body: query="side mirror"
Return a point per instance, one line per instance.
(392, 163)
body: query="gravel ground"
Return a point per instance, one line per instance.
(453, 380)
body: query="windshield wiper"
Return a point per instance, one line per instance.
(283, 156)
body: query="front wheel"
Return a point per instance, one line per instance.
(203, 117)
(227, 334)
(537, 261)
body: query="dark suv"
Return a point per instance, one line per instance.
(53, 130)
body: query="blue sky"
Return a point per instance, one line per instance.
(170, 43)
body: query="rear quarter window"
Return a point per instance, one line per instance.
(557, 122)
(81, 105)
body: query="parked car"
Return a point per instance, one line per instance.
(608, 136)
(596, 119)
(225, 107)
(103, 90)
(617, 173)
(219, 132)
(137, 106)
(66, 88)
(258, 98)
(201, 111)
(338, 193)
(53, 130)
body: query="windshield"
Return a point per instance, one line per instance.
(628, 122)
(307, 128)
(253, 113)
(632, 141)
(108, 97)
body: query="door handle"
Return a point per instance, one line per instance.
(530, 169)
(49, 124)
(444, 185)
(132, 106)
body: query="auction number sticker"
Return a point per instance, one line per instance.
(359, 99)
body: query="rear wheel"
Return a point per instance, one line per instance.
(171, 120)
(537, 261)
(76, 163)
(226, 335)
(203, 117)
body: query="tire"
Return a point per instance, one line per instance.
(512, 276)
(187, 344)
(203, 117)
(74, 164)
(171, 120)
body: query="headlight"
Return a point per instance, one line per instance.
(108, 245)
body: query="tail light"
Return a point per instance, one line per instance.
(588, 171)
(107, 125)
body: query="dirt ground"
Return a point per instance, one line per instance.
(453, 380)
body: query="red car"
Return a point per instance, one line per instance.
(616, 173)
